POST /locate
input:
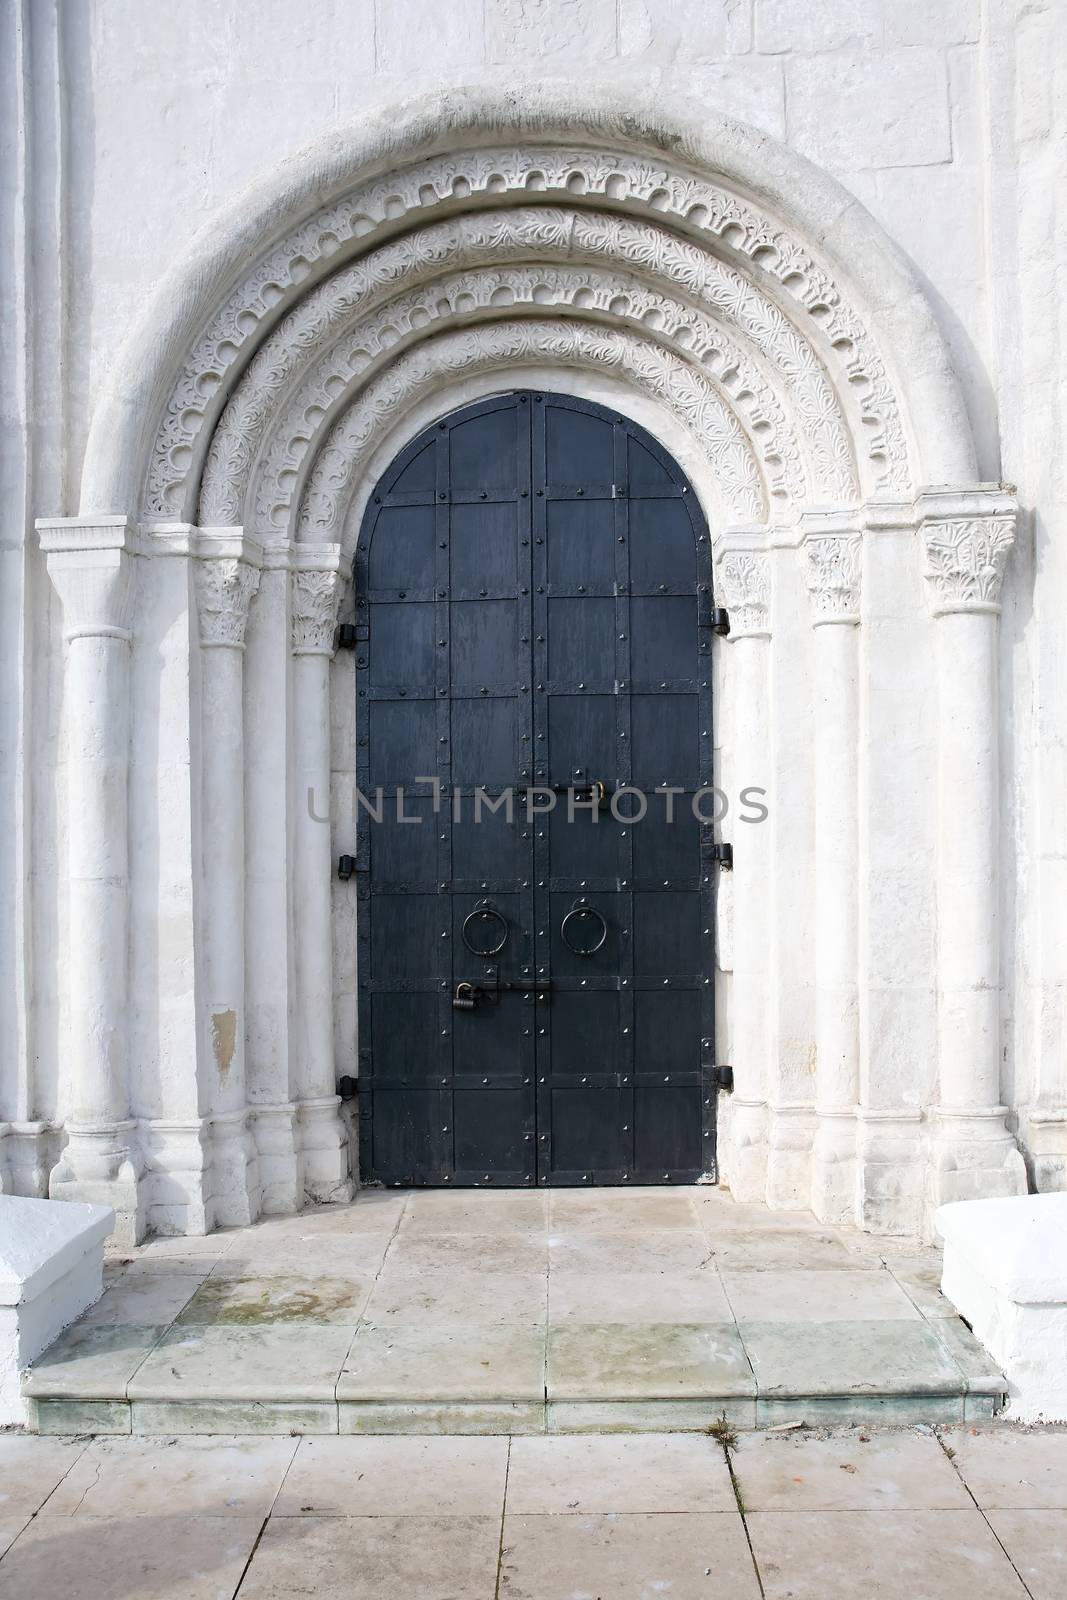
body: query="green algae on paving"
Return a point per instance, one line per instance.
(254, 1300)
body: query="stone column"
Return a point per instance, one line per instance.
(967, 535)
(832, 548)
(269, 954)
(226, 576)
(318, 581)
(744, 588)
(90, 564)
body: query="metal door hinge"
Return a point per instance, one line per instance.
(723, 1078)
(720, 621)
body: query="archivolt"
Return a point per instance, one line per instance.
(772, 271)
(791, 409)
(338, 465)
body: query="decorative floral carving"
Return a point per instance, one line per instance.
(339, 464)
(316, 597)
(745, 587)
(552, 290)
(224, 590)
(634, 182)
(965, 560)
(498, 239)
(833, 561)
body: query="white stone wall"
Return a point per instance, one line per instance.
(130, 122)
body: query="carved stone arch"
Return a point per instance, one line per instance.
(624, 268)
(738, 482)
(355, 362)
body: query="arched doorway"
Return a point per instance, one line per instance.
(533, 582)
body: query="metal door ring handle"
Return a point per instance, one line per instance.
(484, 915)
(576, 914)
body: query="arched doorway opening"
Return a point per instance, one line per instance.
(534, 730)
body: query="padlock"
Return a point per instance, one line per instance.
(465, 997)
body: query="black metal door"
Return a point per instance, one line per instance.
(533, 671)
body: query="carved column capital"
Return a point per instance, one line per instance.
(967, 536)
(225, 586)
(832, 553)
(316, 597)
(89, 563)
(744, 582)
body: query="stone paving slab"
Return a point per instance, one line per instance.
(375, 1558)
(881, 1555)
(629, 1557)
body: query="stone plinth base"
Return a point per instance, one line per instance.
(51, 1269)
(1005, 1271)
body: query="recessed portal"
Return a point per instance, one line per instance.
(534, 715)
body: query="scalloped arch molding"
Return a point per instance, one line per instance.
(703, 262)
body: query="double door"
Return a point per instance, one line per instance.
(534, 895)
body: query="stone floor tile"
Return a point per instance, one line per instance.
(455, 1361)
(635, 1473)
(143, 1299)
(140, 1477)
(373, 1211)
(575, 1252)
(654, 1360)
(160, 1558)
(1036, 1543)
(396, 1477)
(413, 1294)
(1008, 1470)
(11, 1525)
(849, 1358)
(638, 1297)
(920, 1278)
(881, 1555)
(188, 1244)
(784, 1250)
(375, 1558)
(360, 1256)
(253, 1300)
(855, 1471)
(716, 1210)
(30, 1469)
(620, 1210)
(510, 1253)
(480, 1211)
(789, 1296)
(627, 1557)
(294, 1362)
(92, 1363)
(153, 1266)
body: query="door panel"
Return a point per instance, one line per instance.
(535, 993)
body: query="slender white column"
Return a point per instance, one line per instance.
(226, 581)
(744, 588)
(317, 586)
(832, 548)
(268, 864)
(967, 536)
(91, 567)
